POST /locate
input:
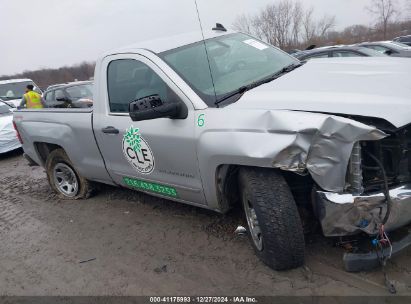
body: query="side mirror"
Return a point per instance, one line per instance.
(388, 52)
(64, 99)
(152, 107)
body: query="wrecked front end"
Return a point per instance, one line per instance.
(328, 160)
(361, 172)
(377, 187)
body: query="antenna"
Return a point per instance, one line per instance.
(205, 47)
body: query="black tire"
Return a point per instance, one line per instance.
(84, 188)
(281, 243)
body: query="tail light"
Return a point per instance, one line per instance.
(18, 133)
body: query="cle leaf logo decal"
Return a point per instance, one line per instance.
(132, 137)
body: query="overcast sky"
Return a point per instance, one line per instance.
(50, 33)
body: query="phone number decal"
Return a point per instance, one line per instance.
(152, 187)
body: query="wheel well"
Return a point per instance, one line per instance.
(301, 187)
(227, 186)
(229, 191)
(44, 149)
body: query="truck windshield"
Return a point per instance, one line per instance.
(235, 60)
(15, 90)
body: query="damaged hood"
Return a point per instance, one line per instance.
(366, 86)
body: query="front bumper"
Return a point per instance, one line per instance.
(347, 214)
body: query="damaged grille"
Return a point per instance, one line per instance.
(394, 154)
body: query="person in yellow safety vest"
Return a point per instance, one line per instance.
(32, 99)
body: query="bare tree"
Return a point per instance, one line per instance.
(285, 24)
(316, 30)
(243, 24)
(282, 22)
(324, 25)
(265, 24)
(384, 11)
(297, 21)
(355, 33)
(309, 25)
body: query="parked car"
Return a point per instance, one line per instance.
(243, 123)
(12, 90)
(72, 95)
(8, 135)
(404, 39)
(337, 51)
(390, 48)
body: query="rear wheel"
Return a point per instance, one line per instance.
(274, 225)
(64, 179)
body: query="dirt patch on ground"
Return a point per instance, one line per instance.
(122, 242)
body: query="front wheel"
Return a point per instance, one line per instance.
(274, 225)
(64, 179)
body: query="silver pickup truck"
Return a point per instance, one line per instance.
(232, 120)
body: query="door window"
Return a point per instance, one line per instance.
(49, 99)
(378, 48)
(345, 54)
(80, 91)
(129, 79)
(49, 96)
(59, 94)
(320, 55)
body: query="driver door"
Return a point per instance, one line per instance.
(156, 156)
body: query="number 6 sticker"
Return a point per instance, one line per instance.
(200, 120)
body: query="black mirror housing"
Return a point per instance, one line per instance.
(152, 107)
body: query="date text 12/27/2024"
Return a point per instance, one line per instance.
(202, 299)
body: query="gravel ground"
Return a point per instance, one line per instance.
(121, 242)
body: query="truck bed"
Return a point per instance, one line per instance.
(71, 129)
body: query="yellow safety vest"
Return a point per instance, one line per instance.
(33, 100)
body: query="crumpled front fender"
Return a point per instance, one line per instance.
(302, 142)
(327, 152)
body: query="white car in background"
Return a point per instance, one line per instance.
(8, 135)
(12, 90)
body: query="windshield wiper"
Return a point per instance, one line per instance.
(241, 90)
(274, 76)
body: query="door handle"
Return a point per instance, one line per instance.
(110, 130)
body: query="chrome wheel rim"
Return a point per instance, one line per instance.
(65, 180)
(253, 225)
